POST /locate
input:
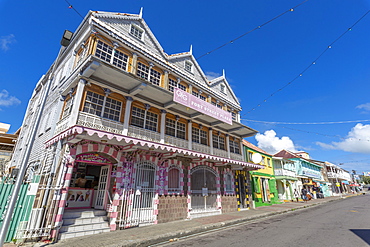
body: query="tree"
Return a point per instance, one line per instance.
(366, 179)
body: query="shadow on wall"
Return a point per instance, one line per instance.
(364, 234)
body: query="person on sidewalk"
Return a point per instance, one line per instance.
(304, 194)
(296, 194)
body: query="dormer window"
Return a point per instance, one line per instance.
(137, 32)
(189, 66)
(222, 88)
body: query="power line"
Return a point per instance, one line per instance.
(311, 64)
(71, 7)
(338, 122)
(254, 29)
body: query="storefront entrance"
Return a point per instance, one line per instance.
(90, 182)
(241, 189)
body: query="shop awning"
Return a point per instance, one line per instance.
(344, 182)
(121, 138)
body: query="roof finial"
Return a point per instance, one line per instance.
(223, 73)
(141, 12)
(191, 50)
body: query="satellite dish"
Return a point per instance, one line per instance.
(256, 158)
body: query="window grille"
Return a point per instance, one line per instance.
(155, 77)
(182, 87)
(67, 107)
(112, 109)
(142, 71)
(202, 97)
(229, 183)
(234, 147)
(120, 60)
(94, 104)
(196, 94)
(104, 51)
(188, 66)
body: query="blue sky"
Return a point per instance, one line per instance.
(335, 89)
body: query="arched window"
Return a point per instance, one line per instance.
(174, 180)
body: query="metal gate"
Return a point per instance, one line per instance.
(137, 204)
(203, 192)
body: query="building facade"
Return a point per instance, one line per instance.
(118, 125)
(7, 144)
(286, 178)
(263, 180)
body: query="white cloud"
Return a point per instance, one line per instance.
(357, 141)
(365, 107)
(5, 41)
(212, 75)
(272, 144)
(7, 100)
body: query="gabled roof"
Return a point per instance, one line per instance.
(121, 22)
(290, 155)
(255, 148)
(229, 94)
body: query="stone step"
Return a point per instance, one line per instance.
(83, 213)
(83, 227)
(66, 235)
(81, 221)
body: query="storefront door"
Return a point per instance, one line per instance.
(101, 194)
(242, 191)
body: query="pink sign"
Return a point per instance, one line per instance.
(197, 104)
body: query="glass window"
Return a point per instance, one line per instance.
(112, 109)
(144, 119)
(103, 51)
(172, 84)
(182, 87)
(136, 32)
(202, 97)
(175, 128)
(218, 142)
(67, 107)
(199, 136)
(234, 147)
(120, 60)
(142, 71)
(196, 94)
(93, 103)
(229, 188)
(188, 66)
(155, 77)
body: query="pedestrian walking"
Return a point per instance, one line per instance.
(304, 194)
(296, 194)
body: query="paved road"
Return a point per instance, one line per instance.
(340, 223)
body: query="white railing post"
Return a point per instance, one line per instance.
(210, 140)
(163, 125)
(228, 145)
(76, 102)
(190, 141)
(126, 119)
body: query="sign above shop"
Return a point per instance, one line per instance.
(202, 106)
(92, 158)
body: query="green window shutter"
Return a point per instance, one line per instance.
(272, 185)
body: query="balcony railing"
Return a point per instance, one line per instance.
(143, 134)
(99, 123)
(283, 172)
(235, 156)
(178, 142)
(95, 122)
(220, 152)
(201, 148)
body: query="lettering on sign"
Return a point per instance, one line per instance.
(189, 100)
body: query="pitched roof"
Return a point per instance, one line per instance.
(251, 146)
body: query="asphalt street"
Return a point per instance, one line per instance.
(339, 223)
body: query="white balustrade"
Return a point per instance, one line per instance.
(95, 122)
(220, 152)
(284, 172)
(201, 148)
(62, 125)
(235, 156)
(143, 134)
(178, 142)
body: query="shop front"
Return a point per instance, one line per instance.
(90, 182)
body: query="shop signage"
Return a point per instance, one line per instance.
(197, 104)
(93, 158)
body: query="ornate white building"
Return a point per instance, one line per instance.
(152, 139)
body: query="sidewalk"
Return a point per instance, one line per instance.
(147, 235)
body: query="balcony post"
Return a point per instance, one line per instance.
(210, 131)
(126, 119)
(76, 102)
(163, 125)
(190, 140)
(242, 151)
(228, 145)
(165, 80)
(133, 63)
